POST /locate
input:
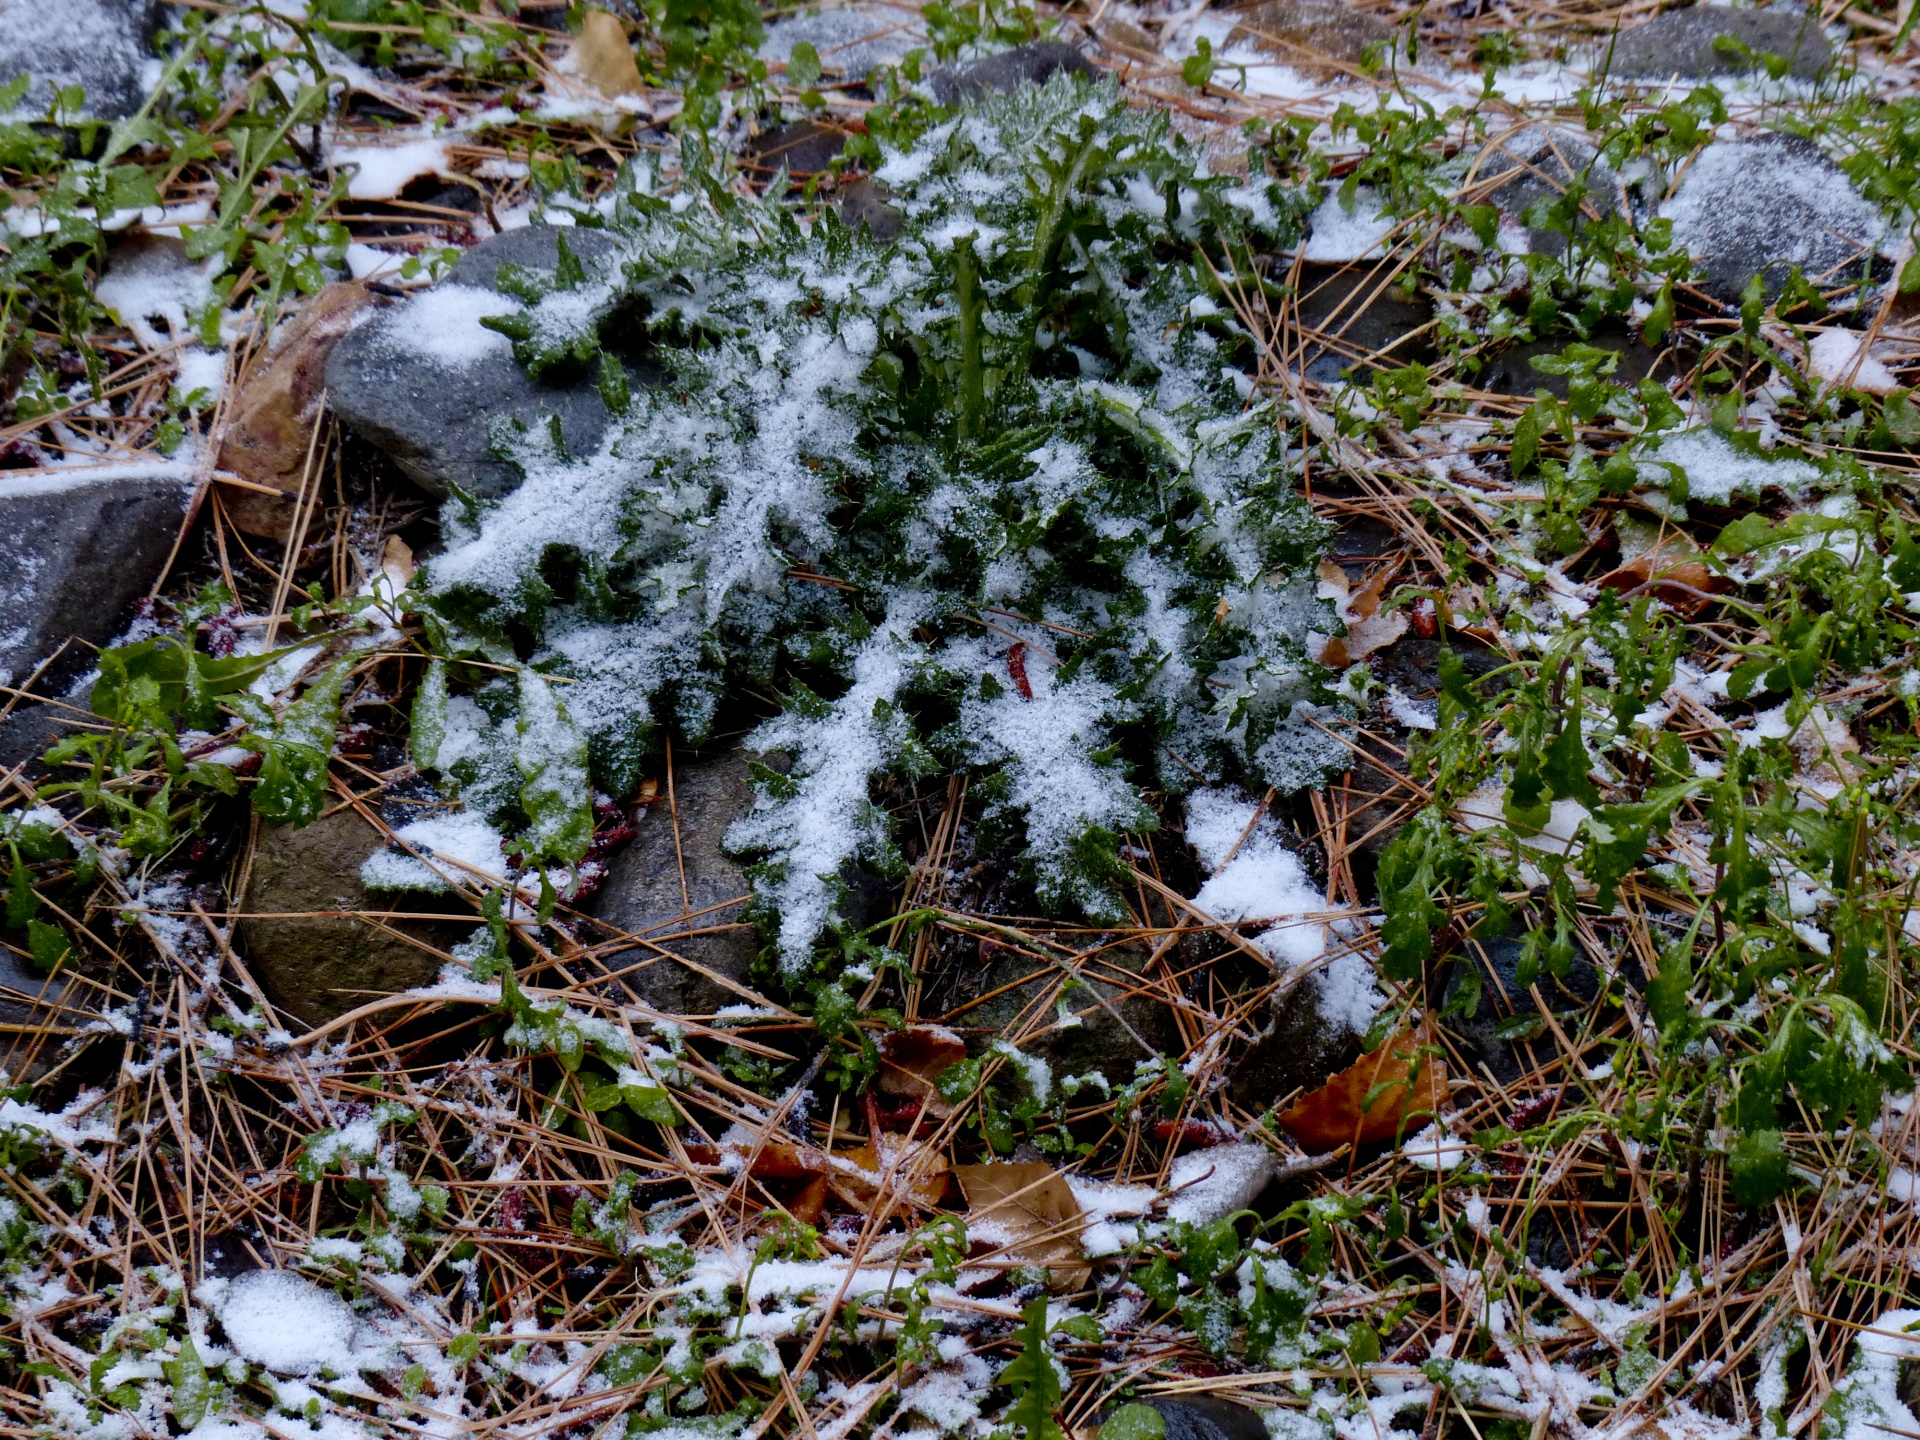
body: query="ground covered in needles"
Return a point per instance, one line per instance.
(891, 723)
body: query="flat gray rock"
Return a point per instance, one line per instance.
(678, 894)
(850, 39)
(76, 554)
(1766, 205)
(423, 379)
(1535, 170)
(103, 46)
(1684, 43)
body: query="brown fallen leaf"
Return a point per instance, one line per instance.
(795, 1177)
(1367, 629)
(1024, 1213)
(912, 1171)
(271, 428)
(1672, 573)
(1338, 1113)
(603, 58)
(912, 1059)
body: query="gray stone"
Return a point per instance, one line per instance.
(1300, 32)
(1503, 1001)
(76, 554)
(849, 39)
(863, 205)
(684, 937)
(1296, 1052)
(1031, 64)
(37, 1014)
(1512, 371)
(103, 46)
(432, 418)
(806, 147)
(1125, 1014)
(1766, 205)
(321, 967)
(1683, 43)
(27, 732)
(1543, 165)
(1360, 324)
(1207, 1417)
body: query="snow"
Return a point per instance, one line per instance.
(381, 172)
(1435, 1148)
(463, 838)
(1210, 1184)
(850, 40)
(292, 1326)
(1841, 357)
(1718, 472)
(1265, 881)
(443, 325)
(1337, 235)
(1411, 711)
(201, 370)
(156, 282)
(1867, 1402)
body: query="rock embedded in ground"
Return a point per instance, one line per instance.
(37, 1013)
(77, 551)
(1687, 43)
(863, 206)
(1120, 1016)
(1032, 64)
(681, 896)
(1504, 1003)
(316, 968)
(103, 46)
(850, 39)
(1539, 167)
(805, 147)
(422, 380)
(1207, 1417)
(1300, 33)
(1361, 319)
(1512, 371)
(1766, 205)
(1296, 1052)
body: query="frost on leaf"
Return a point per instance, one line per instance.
(1026, 421)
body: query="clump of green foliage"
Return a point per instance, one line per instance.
(994, 496)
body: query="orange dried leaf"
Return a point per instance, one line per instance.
(911, 1170)
(1671, 575)
(1024, 1211)
(1404, 1079)
(912, 1060)
(603, 58)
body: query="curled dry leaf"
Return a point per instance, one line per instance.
(271, 429)
(795, 1176)
(603, 58)
(1025, 1214)
(912, 1171)
(1674, 574)
(911, 1061)
(1367, 629)
(1405, 1079)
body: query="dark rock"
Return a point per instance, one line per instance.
(1297, 1051)
(806, 147)
(1539, 165)
(1683, 43)
(1207, 1417)
(76, 554)
(1503, 999)
(29, 729)
(37, 1013)
(103, 46)
(683, 937)
(1031, 64)
(1765, 205)
(318, 968)
(1297, 32)
(1361, 321)
(992, 992)
(431, 416)
(864, 203)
